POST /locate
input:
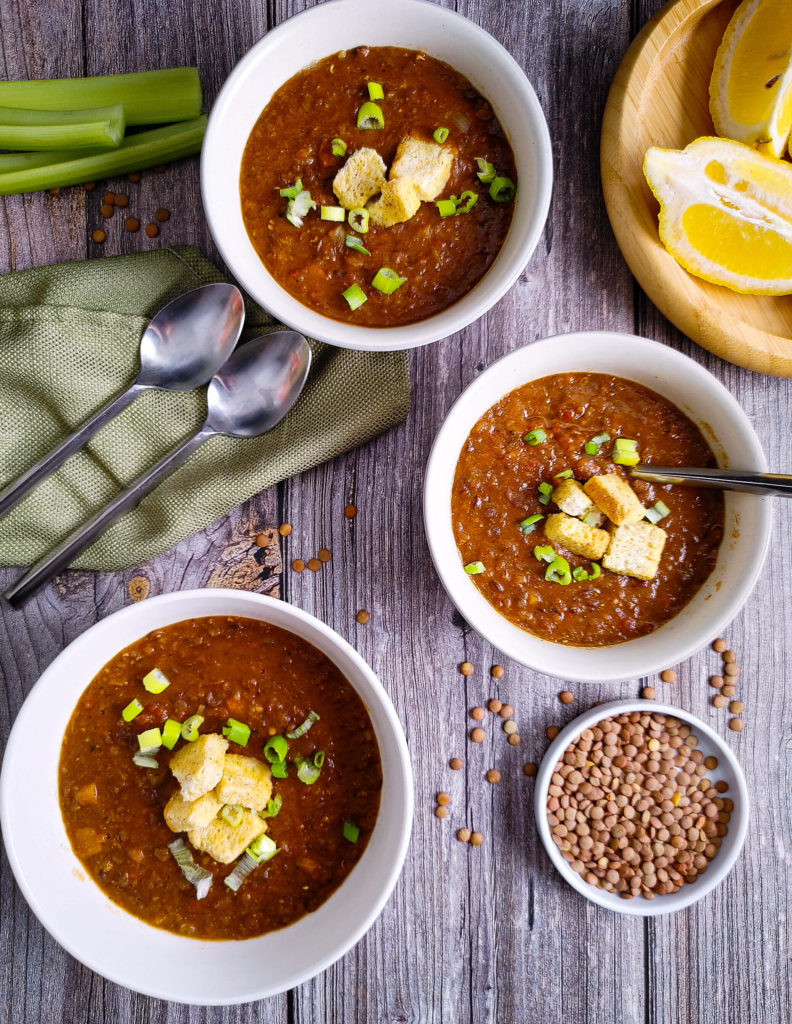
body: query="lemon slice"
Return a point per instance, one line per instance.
(751, 84)
(726, 213)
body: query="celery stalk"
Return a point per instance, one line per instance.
(56, 129)
(135, 153)
(148, 97)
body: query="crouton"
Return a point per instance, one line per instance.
(398, 202)
(635, 550)
(576, 537)
(614, 496)
(224, 842)
(246, 781)
(181, 815)
(361, 177)
(198, 766)
(426, 164)
(572, 499)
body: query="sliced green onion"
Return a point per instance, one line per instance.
(339, 147)
(601, 438)
(545, 488)
(352, 242)
(280, 770)
(370, 116)
(351, 831)
(355, 296)
(273, 807)
(307, 771)
(662, 508)
(292, 191)
(596, 572)
(558, 571)
(24, 129)
(592, 518)
(486, 171)
(375, 91)
(544, 554)
(529, 525)
(502, 190)
(171, 733)
(190, 727)
(335, 213)
(303, 728)
(262, 848)
(243, 867)
(625, 444)
(534, 437)
(440, 135)
(145, 760)
(565, 474)
(232, 814)
(474, 568)
(358, 219)
(297, 208)
(155, 681)
(579, 574)
(236, 732)
(590, 448)
(657, 512)
(446, 207)
(132, 710)
(194, 873)
(275, 749)
(319, 758)
(626, 458)
(387, 281)
(149, 741)
(466, 201)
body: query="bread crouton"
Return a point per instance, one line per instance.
(361, 177)
(398, 202)
(614, 496)
(198, 766)
(181, 815)
(246, 781)
(572, 499)
(635, 550)
(427, 164)
(587, 541)
(224, 842)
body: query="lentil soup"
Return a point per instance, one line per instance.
(219, 667)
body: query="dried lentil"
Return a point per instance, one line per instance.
(731, 670)
(719, 645)
(476, 839)
(98, 235)
(455, 763)
(152, 230)
(443, 799)
(121, 201)
(736, 724)
(106, 210)
(506, 711)
(162, 214)
(314, 564)
(493, 776)
(566, 697)
(668, 676)
(494, 705)
(463, 835)
(510, 727)
(134, 176)
(441, 812)
(515, 739)
(719, 701)
(131, 223)
(477, 734)
(324, 554)
(728, 690)
(530, 769)
(466, 668)
(298, 565)
(478, 714)
(649, 693)
(552, 731)
(716, 682)
(736, 707)
(285, 529)
(350, 511)
(497, 671)
(363, 616)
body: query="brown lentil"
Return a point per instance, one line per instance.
(510, 727)
(262, 540)
(162, 214)
(721, 786)
(719, 701)
(728, 690)
(478, 714)
(54, 191)
(98, 235)
(463, 835)
(530, 769)
(455, 763)
(441, 812)
(106, 210)
(668, 676)
(362, 616)
(109, 198)
(729, 657)
(134, 176)
(494, 705)
(515, 739)
(131, 223)
(552, 731)
(298, 565)
(476, 839)
(566, 697)
(716, 682)
(350, 511)
(711, 763)
(719, 645)
(121, 201)
(493, 776)
(89, 186)
(466, 668)
(152, 230)
(731, 670)
(324, 554)
(497, 671)
(443, 799)
(506, 710)
(648, 693)
(477, 734)
(285, 529)
(314, 564)
(736, 724)
(736, 707)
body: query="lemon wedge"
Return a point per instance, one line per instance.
(725, 213)
(751, 84)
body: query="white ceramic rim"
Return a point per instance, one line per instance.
(381, 22)
(631, 357)
(36, 718)
(721, 864)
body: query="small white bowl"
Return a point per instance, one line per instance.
(728, 769)
(127, 950)
(728, 432)
(341, 25)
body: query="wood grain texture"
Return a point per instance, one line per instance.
(471, 936)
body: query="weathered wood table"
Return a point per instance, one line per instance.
(470, 935)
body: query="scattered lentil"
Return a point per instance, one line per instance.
(736, 707)
(716, 682)
(298, 565)
(54, 191)
(134, 176)
(719, 701)
(152, 230)
(106, 210)
(729, 657)
(139, 588)
(515, 739)
(510, 727)
(552, 731)
(350, 511)
(497, 671)
(121, 201)
(443, 799)
(530, 769)
(566, 697)
(506, 711)
(455, 763)
(285, 529)
(649, 693)
(477, 734)
(262, 540)
(736, 724)
(98, 235)
(476, 839)
(729, 690)
(89, 186)
(441, 812)
(314, 564)
(668, 676)
(362, 616)
(109, 198)
(731, 670)
(494, 705)
(466, 668)
(493, 776)
(711, 763)
(719, 645)
(162, 214)
(463, 835)
(131, 223)
(721, 785)
(478, 714)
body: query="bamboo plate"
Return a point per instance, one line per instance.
(659, 97)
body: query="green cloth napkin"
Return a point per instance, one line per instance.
(69, 339)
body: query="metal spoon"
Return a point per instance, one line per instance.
(250, 394)
(185, 343)
(725, 479)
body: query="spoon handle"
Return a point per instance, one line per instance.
(59, 558)
(18, 488)
(725, 479)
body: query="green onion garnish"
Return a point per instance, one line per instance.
(544, 554)
(375, 91)
(319, 758)
(486, 171)
(335, 213)
(558, 571)
(474, 568)
(625, 452)
(352, 242)
(590, 448)
(232, 814)
(625, 444)
(565, 474)
(627, 459)
(262, 848)
(592, 518)
(545, 489)
(358, 219)
(601, 438)
(502, 190)
(355, 296)
(302, 729)
(579, 574)
(446, 207)
(292, 191)
(657, 512)
(298, 207)
(308, 770)
(370, 116)
(440, 135)
(534, 437)
(339, 147)
(280, 770)
(155, 681)
(132, 710)
(145, 760)
(171, 732)
(351, 831)
(273, 807)
(236, 732)
(150, 741)
(194, 873)
(529, 525)
(466, 201)
(275, 749)
(387, 281)
(596, 572)
(190, 727)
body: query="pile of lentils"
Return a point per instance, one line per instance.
(631, 809)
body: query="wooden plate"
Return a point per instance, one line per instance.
(659, 97)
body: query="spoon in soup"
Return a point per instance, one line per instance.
(186, 342)
(250, 394)
(724, 479)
